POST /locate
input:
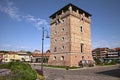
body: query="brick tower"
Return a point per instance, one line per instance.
(70, 37)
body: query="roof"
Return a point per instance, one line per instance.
(73, 7)
(117, 49)
(10, 52)
(36, 55)
(47, 54)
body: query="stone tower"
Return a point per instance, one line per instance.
(70, 37)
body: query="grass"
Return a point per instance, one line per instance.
(64, 67)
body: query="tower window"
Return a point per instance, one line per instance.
(55, 40)
(63, 29)
(55, 32)
(81, 28)
(81, 47)
(82, 19)
(62, 38)
(82, 57)
(55, 49)
(62, 57)
(62, 47)
(54, 58)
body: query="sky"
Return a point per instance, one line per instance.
(21, 22)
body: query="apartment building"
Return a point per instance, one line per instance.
(105, 54)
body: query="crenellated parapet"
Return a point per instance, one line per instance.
(70, 9)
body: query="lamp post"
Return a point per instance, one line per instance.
(43, 46)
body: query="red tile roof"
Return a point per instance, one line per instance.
(47, 54)
(117, 49)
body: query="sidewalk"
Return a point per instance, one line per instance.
(4, 72)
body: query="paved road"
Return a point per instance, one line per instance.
(96, 73)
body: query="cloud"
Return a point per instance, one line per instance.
(14, 47)
(100, 43)
(9, 9)
(103, 43)
(37, 22)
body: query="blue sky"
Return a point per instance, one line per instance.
(21, 22)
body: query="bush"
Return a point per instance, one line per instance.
(90, 65)
(20, 69)
(98, 62)
(110, 63)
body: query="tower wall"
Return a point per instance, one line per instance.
(70, 37)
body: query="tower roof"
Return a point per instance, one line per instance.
(74, 7)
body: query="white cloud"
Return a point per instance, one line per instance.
(7, 7)
(37, 22)
(104, 43)
(100, 43)
(10, 9)
(14, 47)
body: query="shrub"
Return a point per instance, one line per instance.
(91, 65)
(110, 63)
(98, 62)
(21, 70)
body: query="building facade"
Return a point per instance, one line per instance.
(106, 54)
(100, 53)
(37, 56)
(24, 56)
(10, 56)
(118, 50)
(70, 37)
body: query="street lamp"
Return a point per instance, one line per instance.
(43, 46)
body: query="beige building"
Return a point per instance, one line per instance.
(70, 37)
(10, 56)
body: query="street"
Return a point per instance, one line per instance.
(87, 73)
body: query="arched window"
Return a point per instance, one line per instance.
(55, 49)
(55, 32)
(81, 29)
(62, 57)
(54, 58)
(55, 40)
(63, 29)
(62, 38)
(62, 47)
(81, 47)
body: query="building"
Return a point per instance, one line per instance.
(1, 56)
(118, 50)
(10, 56)
(105, 54)
(70, 37)
(37, 56)
(100, 52)
(24, 56)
